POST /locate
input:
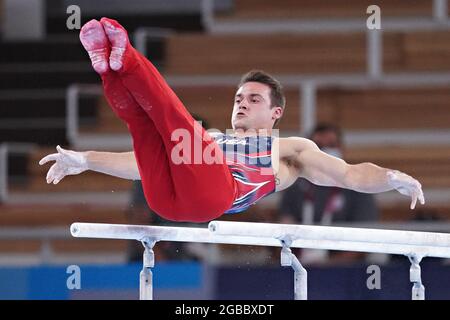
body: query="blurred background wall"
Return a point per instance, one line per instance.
(386, 90)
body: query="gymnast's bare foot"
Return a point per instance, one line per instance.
(94, 40)
(118, 38)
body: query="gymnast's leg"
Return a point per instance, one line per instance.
(139, 124)
(165, 184)
(192, 181)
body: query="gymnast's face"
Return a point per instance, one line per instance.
(253, 108)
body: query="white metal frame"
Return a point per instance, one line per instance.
(413, 244)
(142, 34)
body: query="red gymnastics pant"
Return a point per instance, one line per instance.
(139, 95)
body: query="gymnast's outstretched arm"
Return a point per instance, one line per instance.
(68, 162)
(323, 169)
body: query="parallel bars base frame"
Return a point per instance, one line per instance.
(413, 244)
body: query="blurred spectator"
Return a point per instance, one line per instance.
(306, 203)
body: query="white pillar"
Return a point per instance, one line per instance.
(374, 54)
(440, 10)
(207, 10)
(3, 172)
(308, 107)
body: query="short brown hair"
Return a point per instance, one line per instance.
(277, 98)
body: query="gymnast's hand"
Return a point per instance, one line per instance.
(406, 185)
(67, 162)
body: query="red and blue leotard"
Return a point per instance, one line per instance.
(249, 161)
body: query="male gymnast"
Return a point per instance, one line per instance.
(231, 171)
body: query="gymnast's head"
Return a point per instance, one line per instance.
(259, 102)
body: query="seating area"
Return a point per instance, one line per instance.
(35, 75)
(320, 9)
(279, 53)
(327, 53)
